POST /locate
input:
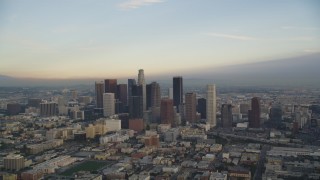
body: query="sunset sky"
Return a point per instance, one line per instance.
(115, 38)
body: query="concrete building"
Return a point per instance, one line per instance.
(191, 107)
(116, 137)
(167, 111)
(113, 124)
(32, 175)
(99, 90)
(122, 94)
(110, 86)
(14, 162)
(85, 100)
(97, 129)
(211, 105)
(254, 113)
(177, 92)
(141, 82)
(202, 108)
(136, 124)
(131, 82)
(13, 108)
(171, 135)
(153, 95)
(108, 104)
(226, 115)
(48, 109)
(136, 102)
(34, 102)
(47, 145)
(170, 93)
(152, 140)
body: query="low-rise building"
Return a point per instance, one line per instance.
(14, 162)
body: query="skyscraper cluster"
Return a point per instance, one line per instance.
(143, 101)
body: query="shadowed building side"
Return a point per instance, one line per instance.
(99, 90)
(191, 107)
(226, 115)
(177, 92)
(254, 113)
(167, 111)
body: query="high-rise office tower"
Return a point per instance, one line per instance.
(276, 114)
(136, 107)
(122, 94)
(74, 94)
(177, 92)
(254, 113)
(226, 115)
(244, 108)
(153, 95)
(108, 104)
(34, 102)
(191, 107)
(99, 89)
(48, 109)
(14, 108)
(136, 102)
(170, 93)
(110, 86)
(142, 82)
(131, 82)
(202, 108)
(211, 105)
(166, 111)
(121, 98)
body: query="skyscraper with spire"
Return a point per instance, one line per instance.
(141, 82)
(211, 105)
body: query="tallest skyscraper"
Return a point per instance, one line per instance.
(142, 82)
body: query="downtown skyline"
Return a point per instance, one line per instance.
(96, 39)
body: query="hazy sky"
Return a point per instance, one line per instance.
(115, 38)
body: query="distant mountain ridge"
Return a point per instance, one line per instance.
(295, 72)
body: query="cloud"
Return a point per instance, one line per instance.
(132, 4)
(232, 36)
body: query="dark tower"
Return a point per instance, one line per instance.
(226, 115)
(110, 86)
(177, 92)
(122, 94)
(202, 107)
(191, 104)
(131, 82)
(153, 95)
(99, 89)
(254, 113)
(136, 102)
(166, 111)
(276, 115)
